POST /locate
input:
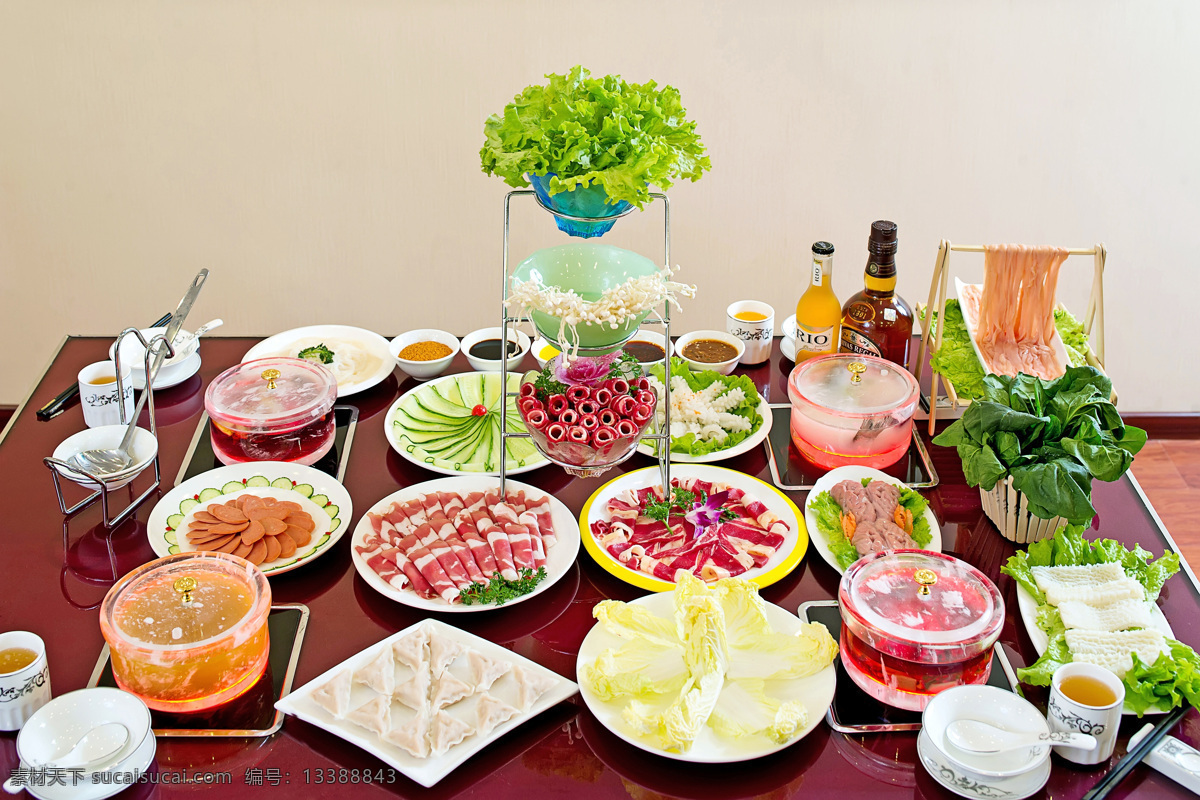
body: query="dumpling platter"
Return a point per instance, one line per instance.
(426, 699)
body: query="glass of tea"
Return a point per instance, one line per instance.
(754, 323)
(24, 678)
(99, 396)
(1086, 698)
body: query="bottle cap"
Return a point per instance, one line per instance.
(822, 248)
(883, 237)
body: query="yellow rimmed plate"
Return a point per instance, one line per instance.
(778, 567)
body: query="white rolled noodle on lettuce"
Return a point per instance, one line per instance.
(704, 413)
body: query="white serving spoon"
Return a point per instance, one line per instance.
(976, 736)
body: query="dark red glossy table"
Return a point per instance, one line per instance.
(55, 572)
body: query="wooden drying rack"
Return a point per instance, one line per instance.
(1093, 318)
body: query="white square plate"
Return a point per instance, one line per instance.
(426, 771)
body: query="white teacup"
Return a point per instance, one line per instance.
(99, 395)
(27, 689)
(1067, 714)
(755, 334)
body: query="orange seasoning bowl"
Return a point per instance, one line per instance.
(188, 632)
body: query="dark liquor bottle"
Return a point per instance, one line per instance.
(877, 321)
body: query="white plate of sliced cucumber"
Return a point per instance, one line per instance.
(319, 495)
(452, 425)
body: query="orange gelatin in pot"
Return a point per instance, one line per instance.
(188, 632)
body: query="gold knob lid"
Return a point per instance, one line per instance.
(270, 376)
(857, 368)
(185, 586)
(924, 578)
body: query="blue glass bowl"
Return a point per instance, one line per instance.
(591, 201)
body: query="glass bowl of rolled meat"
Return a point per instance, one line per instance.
(588, 429)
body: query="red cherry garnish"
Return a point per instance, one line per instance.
(479, 410)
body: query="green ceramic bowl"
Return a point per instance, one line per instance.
(588, 270)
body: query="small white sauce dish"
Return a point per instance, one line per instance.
(143, 449)
(996, 707)
(543, 351)
(493, 365)
(723, 367)
(57, 726)
(650, 337)
(424, 370)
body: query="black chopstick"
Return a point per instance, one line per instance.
(63, 400)
(1135, 756)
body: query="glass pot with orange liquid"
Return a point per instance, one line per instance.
(916, 623)
(188, 632)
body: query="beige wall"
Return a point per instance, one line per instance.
(321, 157)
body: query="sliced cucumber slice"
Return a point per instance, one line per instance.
(232, 486)
(320, 499)
(174, 521)
(331, 510)
(258, 481)
(282, 483)
(209, 494)
(303, 489)
(187, 505)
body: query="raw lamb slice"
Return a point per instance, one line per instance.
(491, 712)
(522, 546)
(501, 547)
(379, 673)
(374, 715)
(334, 696)
(448, 690)
(529, 520)
(447, 731)
(412, 650)
(417, 581)
(486, 671)
(480, 549)
(545, 517)
(1112, 617)
(412, 736)
(531, 686)
(414, 692)
(429, 566)
(442, 652)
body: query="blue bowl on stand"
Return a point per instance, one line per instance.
(590, 202)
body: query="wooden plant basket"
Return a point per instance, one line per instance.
(1008, 510)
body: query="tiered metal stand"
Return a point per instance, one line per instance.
(663, 436)
(59, 469)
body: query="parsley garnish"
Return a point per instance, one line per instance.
(320, 354)
(547, 386)
(680, 498)
(500, 590)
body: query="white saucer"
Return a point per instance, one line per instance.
(952, 777)
(787, 345)
(170, 376)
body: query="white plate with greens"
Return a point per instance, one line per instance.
(559, 558)
(830, 479)
(319, 495)
(360, 358)
(752, 441)
(451, 425)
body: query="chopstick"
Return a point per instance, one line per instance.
(63, 400)
(1135, 756)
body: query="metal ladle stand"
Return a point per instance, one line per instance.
(59, 468)
(663, 436)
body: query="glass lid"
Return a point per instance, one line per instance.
(852, 384)
(268, 394)
(917, 597)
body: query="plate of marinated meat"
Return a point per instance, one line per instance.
(717, 523)
(854, 511)
(458, 545)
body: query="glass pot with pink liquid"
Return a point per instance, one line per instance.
(852, 409)
(916, 623)
(272, 409)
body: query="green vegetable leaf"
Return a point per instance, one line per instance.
(829, 525)
(916, 503)
(980, 465)
(1165, 683)
(318, 353)
(1105, 463)
(1133, 440)
(1039, 672)
(500, 590)
(1052, 489)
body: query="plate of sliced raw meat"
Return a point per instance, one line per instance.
(869, 517)
(425, 544)
(720, 523)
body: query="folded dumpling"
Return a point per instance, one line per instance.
(442, 652)
(448, 689)
(486, 671)
(412, 649)
(374, 715)
(491, 712)
(414, 692)
(334, 695)
(530, 686)
(446, 731)
(412, 736)
(379, 673)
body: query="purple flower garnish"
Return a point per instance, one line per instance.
(582, 371)
(704, 515)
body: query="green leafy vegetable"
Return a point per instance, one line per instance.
(680, 499)
(700, 380)
(500, 590)
(584, 130)
(320, 353)
(956, 361)
(1052, 437)
(1166, 683)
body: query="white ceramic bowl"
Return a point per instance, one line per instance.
(653, 337)
(487, 365)
(723, 367)
(133, 354)
(996, 707)
(424, 370)
(543, 351)
(143, 450)
(57, 726)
